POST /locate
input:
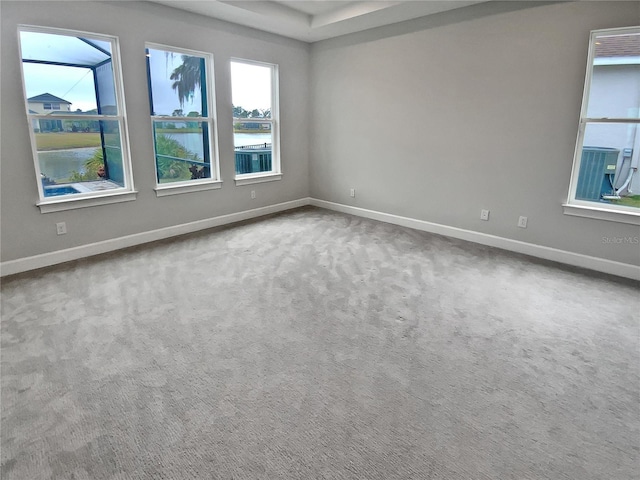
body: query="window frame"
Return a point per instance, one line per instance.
(93, 198)
(186, 186)
(276, 168)
(585, 208)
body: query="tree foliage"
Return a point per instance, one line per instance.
(169, 168)
(186, 78)
(91, 166)
(240, 112)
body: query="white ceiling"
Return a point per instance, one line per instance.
(311, 21)
(314, 7)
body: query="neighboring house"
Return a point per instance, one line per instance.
(48, 104)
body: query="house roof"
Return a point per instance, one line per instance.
(618, 46)
(47, 97)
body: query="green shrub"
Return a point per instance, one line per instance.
(169, 169)
(91, 166)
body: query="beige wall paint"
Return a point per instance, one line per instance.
(438, 118)
(26, 232)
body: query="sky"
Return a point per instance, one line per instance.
(251, 85)
(74, 85)
(165, 99)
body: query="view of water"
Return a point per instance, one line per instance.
(59, 164)
(242, 139)
(193, 141)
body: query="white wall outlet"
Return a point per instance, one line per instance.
(253, 194)
(484, 215)
(522, 222)
(61, 228)
(352, 192)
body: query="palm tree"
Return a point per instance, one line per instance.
(186, 77)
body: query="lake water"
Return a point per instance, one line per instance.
(59, 164)
(242, 139)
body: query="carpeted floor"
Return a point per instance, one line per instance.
(316, 345)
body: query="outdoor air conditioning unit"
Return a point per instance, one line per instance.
(597, 168)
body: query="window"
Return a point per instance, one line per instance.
(182, 116)
(74, 101)
(605, 180)
(255, 121)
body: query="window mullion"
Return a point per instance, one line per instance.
(611, 120)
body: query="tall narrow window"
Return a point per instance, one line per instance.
(75, 107)
(183, 118)
(606, 181)
(255, 121)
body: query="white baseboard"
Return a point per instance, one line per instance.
(46, 259)
(547, 253)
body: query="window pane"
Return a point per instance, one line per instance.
(69, 76)
(252, 93)
(182, 151)
(251, 90)
(77, 159)
(607, 162)
(113, 152)
(106, 89)
(177, 83)
(615, 79)
(64, 72)
(253, 147)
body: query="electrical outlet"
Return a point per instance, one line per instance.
(61, 228)
(253, 194)
(522, 222)
(352, 192)
(484, 215)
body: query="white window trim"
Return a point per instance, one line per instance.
(215, 181)
(114, 196)
(589, 211)
(70, 202)
(253, 178)
(276, 169)
(573, 206)
(178, 188)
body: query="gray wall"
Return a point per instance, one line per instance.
(26, 232)
(437, 118)
(432, 119)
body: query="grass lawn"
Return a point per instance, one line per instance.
(178, 130)
(62, 141)
(630, 201)
(249, 130)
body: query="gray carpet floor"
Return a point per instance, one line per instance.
(316, 345)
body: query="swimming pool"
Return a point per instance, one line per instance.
(56, 191)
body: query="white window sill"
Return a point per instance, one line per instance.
(165, 190)
(61, 204)
(600, 213)
(252, 178)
